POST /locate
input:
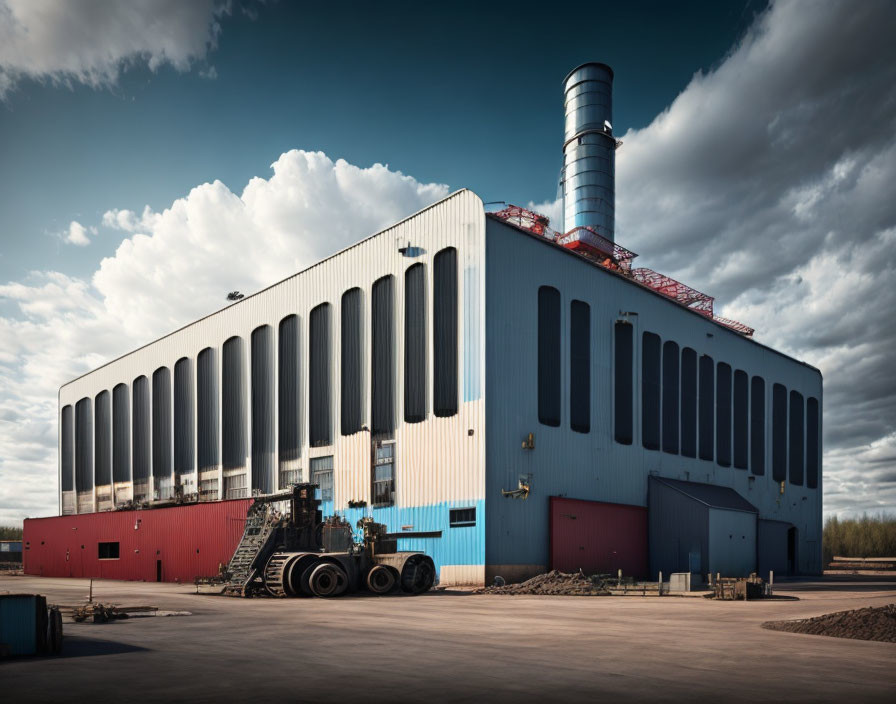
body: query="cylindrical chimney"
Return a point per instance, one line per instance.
(589, 150)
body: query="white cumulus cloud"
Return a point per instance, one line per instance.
(78, 235)
(768, 183)
(91, 41)
(173, 266)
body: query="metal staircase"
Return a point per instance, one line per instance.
(261, 522)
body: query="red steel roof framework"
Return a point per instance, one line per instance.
(588, 243)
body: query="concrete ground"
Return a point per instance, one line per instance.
(454, 646)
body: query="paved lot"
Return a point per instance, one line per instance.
(454, 646)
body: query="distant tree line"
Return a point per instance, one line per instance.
(10, 533)
(868, 536)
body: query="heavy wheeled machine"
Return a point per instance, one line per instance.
(292, 551)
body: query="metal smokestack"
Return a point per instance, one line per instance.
(589, 150)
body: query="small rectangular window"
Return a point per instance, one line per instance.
(688, 402)
(797, 412)
(706, 410)
(107, 551)
(779, 433)
(549, 372)
(650, 391)
(812, 445)
(444, 333)
(322, 475)
(288, 477)
(741, 425)
(757, 425)
(384, 475)
(623, 381)
(670, 397)
(580, 367)
(462, 517)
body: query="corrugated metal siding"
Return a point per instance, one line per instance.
(597, 537)
(732, 542)
(439, 462)
(592, 465)
(18, 623)
(191, 541)
(772, 547)
(679, 531)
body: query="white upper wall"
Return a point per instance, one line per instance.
(457, 221)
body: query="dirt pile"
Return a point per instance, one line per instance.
(872, 623)
(554, 583)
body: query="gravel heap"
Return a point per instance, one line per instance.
(872, 623)
(554, 582)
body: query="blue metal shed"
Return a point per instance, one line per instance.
(700, 528)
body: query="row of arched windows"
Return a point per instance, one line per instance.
(145, 432)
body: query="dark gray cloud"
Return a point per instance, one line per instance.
(769, 184)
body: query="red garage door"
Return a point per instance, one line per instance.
(599, 538)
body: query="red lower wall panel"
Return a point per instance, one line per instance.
(599, 538)
(174, 544)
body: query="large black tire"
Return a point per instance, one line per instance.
(299, 572)
(418, 574)
(55, 635)
(381, 579)
(327, 579)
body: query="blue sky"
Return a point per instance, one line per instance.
(156, 154)
(467, 94)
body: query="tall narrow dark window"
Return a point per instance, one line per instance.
(580, 366)
(757, 425)
(707, 407)
(183, 416)
(121, 437)
(382, 387)
(650, 391)
(624, 392)
(350, 362)
(688, 402)
(262, 378)
(141, 430)
(444, 333)
(319, 394)
(288, 397)
(415, 344)
(161, 425)
(797, 412)
(779, 433)
(670, 397)
(723, 414)
(741, 424)
(549, 372)
(207, 407)
(67, 449)
(233, 405)
(102, 442)
(83, 445)
(812, 445)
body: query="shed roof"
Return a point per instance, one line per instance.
(723, 497)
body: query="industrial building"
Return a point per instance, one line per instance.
(523, 396)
